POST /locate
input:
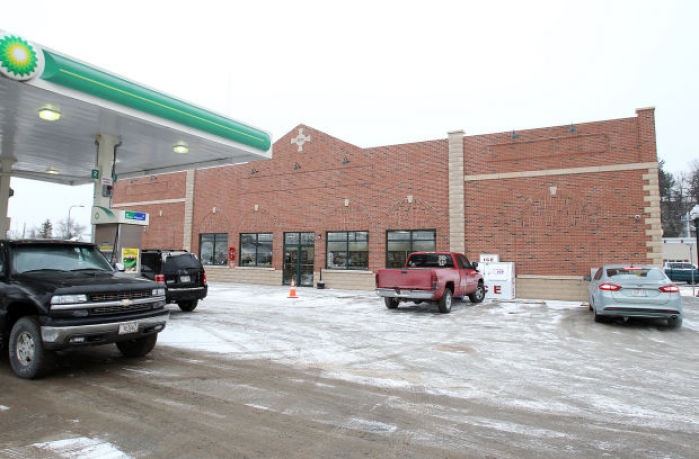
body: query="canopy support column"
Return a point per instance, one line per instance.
(106, 156)
(5, 176)
(106, 152)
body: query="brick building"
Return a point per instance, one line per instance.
(556, 201)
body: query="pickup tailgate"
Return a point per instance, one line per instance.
(405, 279)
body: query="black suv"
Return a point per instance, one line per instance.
(182, 273)
(58, 294)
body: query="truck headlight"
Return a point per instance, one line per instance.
(68, 299)
(158, 292)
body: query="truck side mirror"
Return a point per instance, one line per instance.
(119, 266)
(474, 265)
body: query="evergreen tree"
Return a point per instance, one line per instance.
(45, 230)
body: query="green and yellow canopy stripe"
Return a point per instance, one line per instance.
(66, 72)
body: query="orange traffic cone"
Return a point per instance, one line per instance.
(292, 292)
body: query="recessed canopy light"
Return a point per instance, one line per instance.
(52, 170)
(49, 113)
(181, 148)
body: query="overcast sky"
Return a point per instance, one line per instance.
(378, 73)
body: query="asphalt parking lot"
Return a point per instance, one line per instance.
(252, 373)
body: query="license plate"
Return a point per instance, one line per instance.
(184, 279)
(128, 327)
(638, 292)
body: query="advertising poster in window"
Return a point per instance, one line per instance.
(129, 257)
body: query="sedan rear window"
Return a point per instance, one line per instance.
(635, 273)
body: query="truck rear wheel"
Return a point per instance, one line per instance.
(444, 302)
(137, 347)
(28, 357)
(391, 303)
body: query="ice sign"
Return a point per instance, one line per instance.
(442, 260)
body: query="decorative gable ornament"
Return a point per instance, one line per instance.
(301, 139)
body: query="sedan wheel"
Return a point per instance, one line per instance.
(674, 322)
(597, 318)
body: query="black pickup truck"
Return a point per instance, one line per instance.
(56, 295)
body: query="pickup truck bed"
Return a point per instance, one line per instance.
(431, 276)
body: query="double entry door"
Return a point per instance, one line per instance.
(299, 251)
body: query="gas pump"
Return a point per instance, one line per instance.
(119, 234)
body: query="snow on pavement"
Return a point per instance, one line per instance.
(548, 357)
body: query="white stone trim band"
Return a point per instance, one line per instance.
(148, 203)
(575, 170)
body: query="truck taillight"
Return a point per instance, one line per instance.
(204, 278)
(160, 277)
(434, 281)
(609, 287)
(669, 289)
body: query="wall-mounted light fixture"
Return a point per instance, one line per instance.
(50, 113)
(213, 211)
(345, 160)
(253, 171)
(346, 202)
(297, 166)
(553, 190)
(514, 134)
(181, 148)
(256, 207)
(572, 128)
(160, 212)
(410, 198)
(52, 170)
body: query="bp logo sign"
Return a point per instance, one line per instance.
(20, 59)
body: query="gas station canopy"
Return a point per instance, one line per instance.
(53, 110)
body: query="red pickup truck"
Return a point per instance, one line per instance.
(431, 276)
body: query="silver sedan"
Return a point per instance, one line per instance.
(634, 291)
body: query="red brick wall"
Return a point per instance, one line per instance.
(590, 219)
(166, 230)
(311, 197)
(150, 188)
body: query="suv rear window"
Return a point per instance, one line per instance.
(174, 262)
(635, 273)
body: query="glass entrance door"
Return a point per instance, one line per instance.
(299, 252)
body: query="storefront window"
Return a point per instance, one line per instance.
(348, 250)
(213, 249)
(399, 244)
(256, 249)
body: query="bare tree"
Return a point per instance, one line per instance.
(70, 229)
(15, 234)
(678, 194)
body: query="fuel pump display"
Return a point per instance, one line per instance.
(119, 234)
